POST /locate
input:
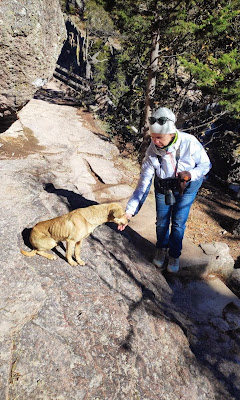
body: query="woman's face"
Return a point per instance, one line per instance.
(162, 140)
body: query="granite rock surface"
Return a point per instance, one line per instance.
(115, 328)
(32, 35)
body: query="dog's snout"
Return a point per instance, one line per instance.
(123, 220)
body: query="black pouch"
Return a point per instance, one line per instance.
(163, 185)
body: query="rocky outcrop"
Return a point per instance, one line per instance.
(104, 330)
(213, 259)
(114, 328)
(220, 261)
(32, 35)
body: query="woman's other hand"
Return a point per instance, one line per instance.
(183, 178)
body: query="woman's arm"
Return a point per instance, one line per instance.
(140, 193)
(202, 162)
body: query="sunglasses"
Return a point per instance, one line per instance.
(160, 120)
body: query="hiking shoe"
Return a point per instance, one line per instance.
(173, 265)
(160, 258)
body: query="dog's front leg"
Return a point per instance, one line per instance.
(69, 252)
(77, 253)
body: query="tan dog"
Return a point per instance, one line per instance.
(72, 228)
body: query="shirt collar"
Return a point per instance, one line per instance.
(162, 150)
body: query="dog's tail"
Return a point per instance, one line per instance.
(29, 253)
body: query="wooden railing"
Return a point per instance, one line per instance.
(71, 79)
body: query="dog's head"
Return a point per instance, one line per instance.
(116, 214)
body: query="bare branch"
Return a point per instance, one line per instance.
(211, 140)
(207, 122)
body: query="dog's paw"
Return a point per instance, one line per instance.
(73, 263)
(80, 262)
(52, 257)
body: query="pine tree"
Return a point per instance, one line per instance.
(198, 53)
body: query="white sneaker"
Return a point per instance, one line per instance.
(160, 258)
(173, 265)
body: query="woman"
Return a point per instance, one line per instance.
(178, 162)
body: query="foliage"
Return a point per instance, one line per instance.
(100, 68)
(98, 20)
(63, 4)
(68, 6)
(198, 64)
(214, 60)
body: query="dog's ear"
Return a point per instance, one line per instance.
(115, 212)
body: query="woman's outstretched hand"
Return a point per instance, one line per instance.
(122, 227)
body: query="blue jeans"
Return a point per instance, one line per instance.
(177, 214)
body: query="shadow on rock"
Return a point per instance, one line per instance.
(75, 200)
(237, 264)
(58, 253)
(208, 314)
(146, 248)
(56, 97)
(25, 235)
(7, 121)
(118, 262)
(198, 309)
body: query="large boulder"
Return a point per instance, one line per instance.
(114, 328)
(102, 331)
(32, 35)
(106, 330)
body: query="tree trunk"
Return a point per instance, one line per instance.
(151, 84)
(88, 72)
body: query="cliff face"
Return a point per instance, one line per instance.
(32, 35)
